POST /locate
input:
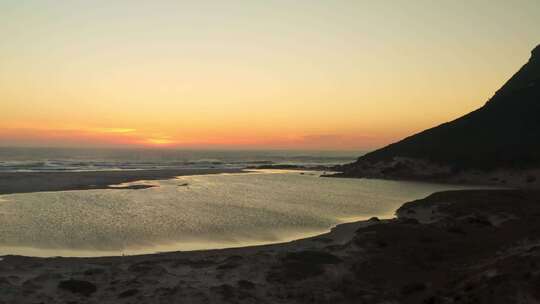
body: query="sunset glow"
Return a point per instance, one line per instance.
(249, 74)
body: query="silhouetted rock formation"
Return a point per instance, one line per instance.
(504, 133)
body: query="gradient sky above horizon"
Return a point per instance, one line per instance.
(251, 74)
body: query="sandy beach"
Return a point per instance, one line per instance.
(24, 182)
(450, 247)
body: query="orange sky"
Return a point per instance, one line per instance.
(250, 74)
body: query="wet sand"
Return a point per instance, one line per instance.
(475, 246)
(24, 182)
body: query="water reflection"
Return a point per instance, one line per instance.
(194, 212)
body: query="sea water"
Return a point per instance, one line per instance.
(58, 159)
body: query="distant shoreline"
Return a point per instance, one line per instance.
(25, 182)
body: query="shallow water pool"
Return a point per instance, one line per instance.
(195, 212)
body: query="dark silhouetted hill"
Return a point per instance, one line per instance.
(504, 133)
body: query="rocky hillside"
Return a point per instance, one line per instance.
(504, 133)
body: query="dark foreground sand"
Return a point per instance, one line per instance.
(22, 182)
(452, 247)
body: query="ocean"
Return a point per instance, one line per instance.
(58, 159)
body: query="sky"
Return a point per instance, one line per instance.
(251, 74)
